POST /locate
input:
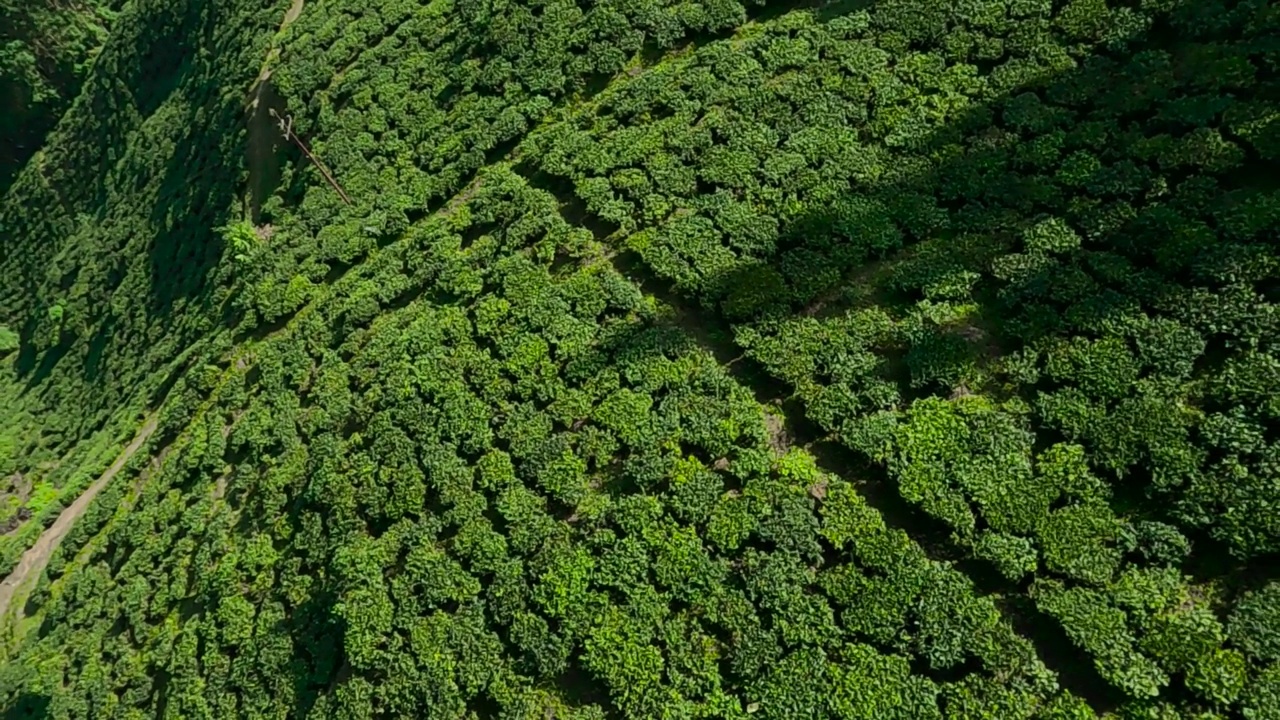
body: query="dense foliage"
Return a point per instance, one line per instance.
(45, 51)
(671, 359)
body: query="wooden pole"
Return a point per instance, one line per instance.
(286, 129)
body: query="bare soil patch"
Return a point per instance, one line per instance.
(779, 438)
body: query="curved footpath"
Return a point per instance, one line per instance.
(37, 556)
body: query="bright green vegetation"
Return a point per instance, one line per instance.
(883, 360)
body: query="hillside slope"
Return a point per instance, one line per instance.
(46, 48)
(661, 359)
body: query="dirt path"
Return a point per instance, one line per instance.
(37, 556)
(291, 14)
(262, 154)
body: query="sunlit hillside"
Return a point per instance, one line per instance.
(872, 359)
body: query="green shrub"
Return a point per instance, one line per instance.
(1102, 630)
(1067, 707)
(1078, 542)
(1012, 555)
(1181, 636)
(1218, 676)
(1254, 625)
(240, 239)
(1261, 699)
(8, 340)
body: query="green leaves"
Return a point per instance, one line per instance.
(1099, 628)
(1104, 369)
(1012, 555)
(1262, 696)
(1051, 236)
(1078, 542)
(9, 340)
(1254, 625)
(626, 413)
(240, 239)
(474, 457)
(1218, 677)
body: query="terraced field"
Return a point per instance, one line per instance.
(653, 360)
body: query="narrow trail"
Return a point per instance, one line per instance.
(291, 14)
(262, 152)
(37, 556)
